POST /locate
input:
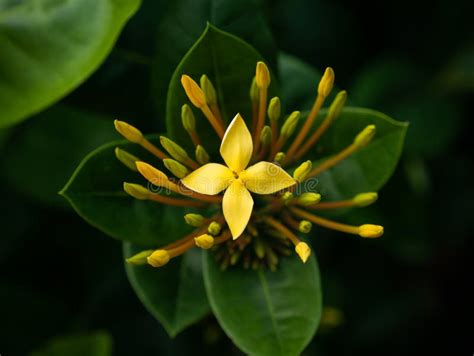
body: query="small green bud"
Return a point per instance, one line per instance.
(274, 109)
(266, 136)
(174, 150)
(179, 170)
(364, 199)
(302, 171)
(136, 190)
(337, 104)
(254, 91)
(140, 258)
(326, 83)
(214, 228)
(305, 226)
(126, 158)
(308, 199)
(280, 157)
(259, 248)
(290, 124)
(195, 220)
(287, 197)
(187, 118)
(365, 136)
(201, 155)
(208, 89)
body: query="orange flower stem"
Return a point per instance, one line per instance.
(175, 202)
(147, 145)
(332, 205)
(214, 121)
(262, 107)
(282, 229)
(325, 222)
(332, 161)
(195, 138)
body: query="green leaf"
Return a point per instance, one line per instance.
(174, 294)
(70, 134)
(230, 64)
(184, 22)
(368, 169)
(50, 47)
(98, 343)
(96, 193)
(264, 312)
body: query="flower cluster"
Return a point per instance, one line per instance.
(259, 206)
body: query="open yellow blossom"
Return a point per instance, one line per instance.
(236, 179)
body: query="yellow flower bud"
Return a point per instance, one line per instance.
(136, 190)
(253, 91)
(204, 241)
(337, 104)
(187, 118)
(290, 124)
(159, 258)
(365, 199)
(178, 170)
(214, 228)
(303, 250)
(287, 197)
(262, 76)
(128, 131)
(326, 83)
(370, 231)
(305, 226)
(274, 109)
(195, 220)
(174, 150)
(266, 136)
(208, 89)
(152, 174)
(280, 157)
(126, 158)
(365, 136)
(302, 171)
(201, 155)
(140, 258)
(309, 198)
(193, 91)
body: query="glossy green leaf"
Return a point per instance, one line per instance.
(98, 343)
(230, 64)
(95, 191)
(50, 47)
(70, 134)
(368, 169)
(184, 22)
(264, 312)
(174, 294)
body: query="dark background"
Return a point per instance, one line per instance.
(405, 293)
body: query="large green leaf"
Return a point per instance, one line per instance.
(70, 134)
(174, 294)
(368, 169)
(50, 46)
(230, 64)
(184, 22)
(96, 192)
(98, 343)
(264, 312)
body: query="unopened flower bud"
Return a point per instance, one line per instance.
(187, 118)
(266, 136)
(305, 226)
(178, 170)
(174, 150)
(309, 198)
(365, 199)
(370, 231)
(201, 155)
(128, 131)
(136, 190)
(280, 157)
(204, 241)
(365, 136)
(254, 91)
(303, 250)
(126, 158)
(193, 91)
(290, 124)
(302, 171)
(208, 89)
(287, 197)
(274, 109)
(152, 174)
(159, 258)
(196, 220)
(214, 228)
(140, 258)
(262, 75)
(326, 83)
(337, 104)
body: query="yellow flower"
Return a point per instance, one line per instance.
(236, 179)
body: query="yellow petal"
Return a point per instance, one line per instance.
(266, 178)
(210, 179)
(237, 146)
(237, 205)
